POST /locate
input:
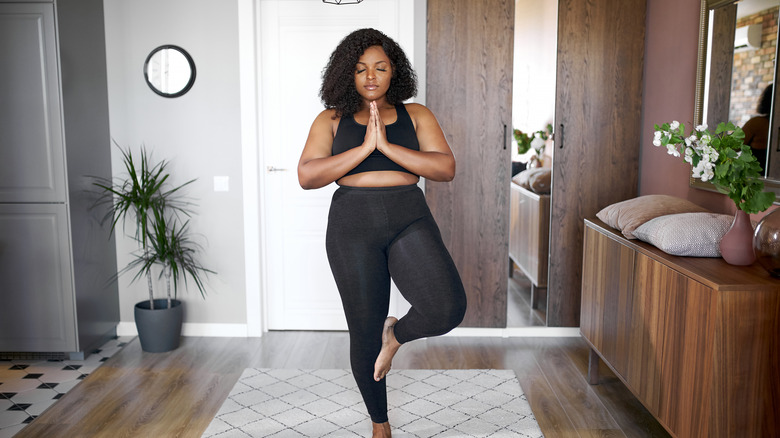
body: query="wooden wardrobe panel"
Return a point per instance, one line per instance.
(722, 62)
(469, 88)
(598, 129)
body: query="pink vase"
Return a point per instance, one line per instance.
(736, 246)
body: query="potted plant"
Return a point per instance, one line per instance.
(727, 162)
(536, 140)
(144, 197)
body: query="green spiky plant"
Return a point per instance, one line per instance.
(143, 197)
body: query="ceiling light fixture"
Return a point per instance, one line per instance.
(342, 2)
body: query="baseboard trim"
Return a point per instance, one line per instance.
(194, 329)
(517, 332)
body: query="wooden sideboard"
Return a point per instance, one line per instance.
(695, 339)
(529, 238)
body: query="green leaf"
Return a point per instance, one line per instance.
(144, 197)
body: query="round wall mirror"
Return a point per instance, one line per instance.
(169, 71)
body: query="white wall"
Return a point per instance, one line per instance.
(536, 40)
(199, 133)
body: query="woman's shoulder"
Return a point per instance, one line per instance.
(756, 124)
(758, 120)
(418, 112)
(413, 107)
(328, 114)
(328, 118)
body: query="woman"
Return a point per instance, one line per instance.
(376, 148)
(757, 128)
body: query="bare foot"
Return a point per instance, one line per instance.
(389, 347)
(381, 430)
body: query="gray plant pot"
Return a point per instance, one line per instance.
(159, 330)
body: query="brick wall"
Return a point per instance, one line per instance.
(753, 69)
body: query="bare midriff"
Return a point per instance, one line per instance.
(382, 178)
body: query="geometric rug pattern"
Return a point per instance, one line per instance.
(421, 403)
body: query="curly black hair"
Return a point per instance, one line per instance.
(764, 106)
(338, 78)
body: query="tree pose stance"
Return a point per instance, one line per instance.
(376, 148)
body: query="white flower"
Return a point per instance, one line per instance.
(707, 175)
(672, 150)
(657, 138)
(710, 153)
(688, 155)
(674, 125)
(537, 143)
(702, 127)
(703, 170)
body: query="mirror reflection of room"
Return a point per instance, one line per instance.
(755, 42)
(533, 111)
(741, 72)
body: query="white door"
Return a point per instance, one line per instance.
(296, 39)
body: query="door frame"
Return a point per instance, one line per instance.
(253, 157)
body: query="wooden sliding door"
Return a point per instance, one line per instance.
(469, 88)
(597, 132)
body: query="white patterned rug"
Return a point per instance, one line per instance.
(421, 403)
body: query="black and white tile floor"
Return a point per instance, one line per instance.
(29, 386)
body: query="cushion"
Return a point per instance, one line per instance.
(536, 179)
(627, 215)
(686, 234)
(521, 178)
(540, 181)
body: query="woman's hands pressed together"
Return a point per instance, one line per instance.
(376, 137)
(381, 137)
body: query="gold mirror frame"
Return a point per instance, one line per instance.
(701, 71)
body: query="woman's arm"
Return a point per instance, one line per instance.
(317, 166)
(434, 160)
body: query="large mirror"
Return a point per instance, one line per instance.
(737, 67)
(169, 71)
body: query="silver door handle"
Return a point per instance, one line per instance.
(275, 169)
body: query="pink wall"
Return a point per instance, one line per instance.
(670, 86)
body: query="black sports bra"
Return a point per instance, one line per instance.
(350, 134)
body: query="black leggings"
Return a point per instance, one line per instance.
(374, 234)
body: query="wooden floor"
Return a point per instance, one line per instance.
(519, 312)
(176, 394)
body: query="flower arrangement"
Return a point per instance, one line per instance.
(536, 140)
(721, 158)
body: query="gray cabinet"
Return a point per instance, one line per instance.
(31, 157)
(38, 309)
(56, 260)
